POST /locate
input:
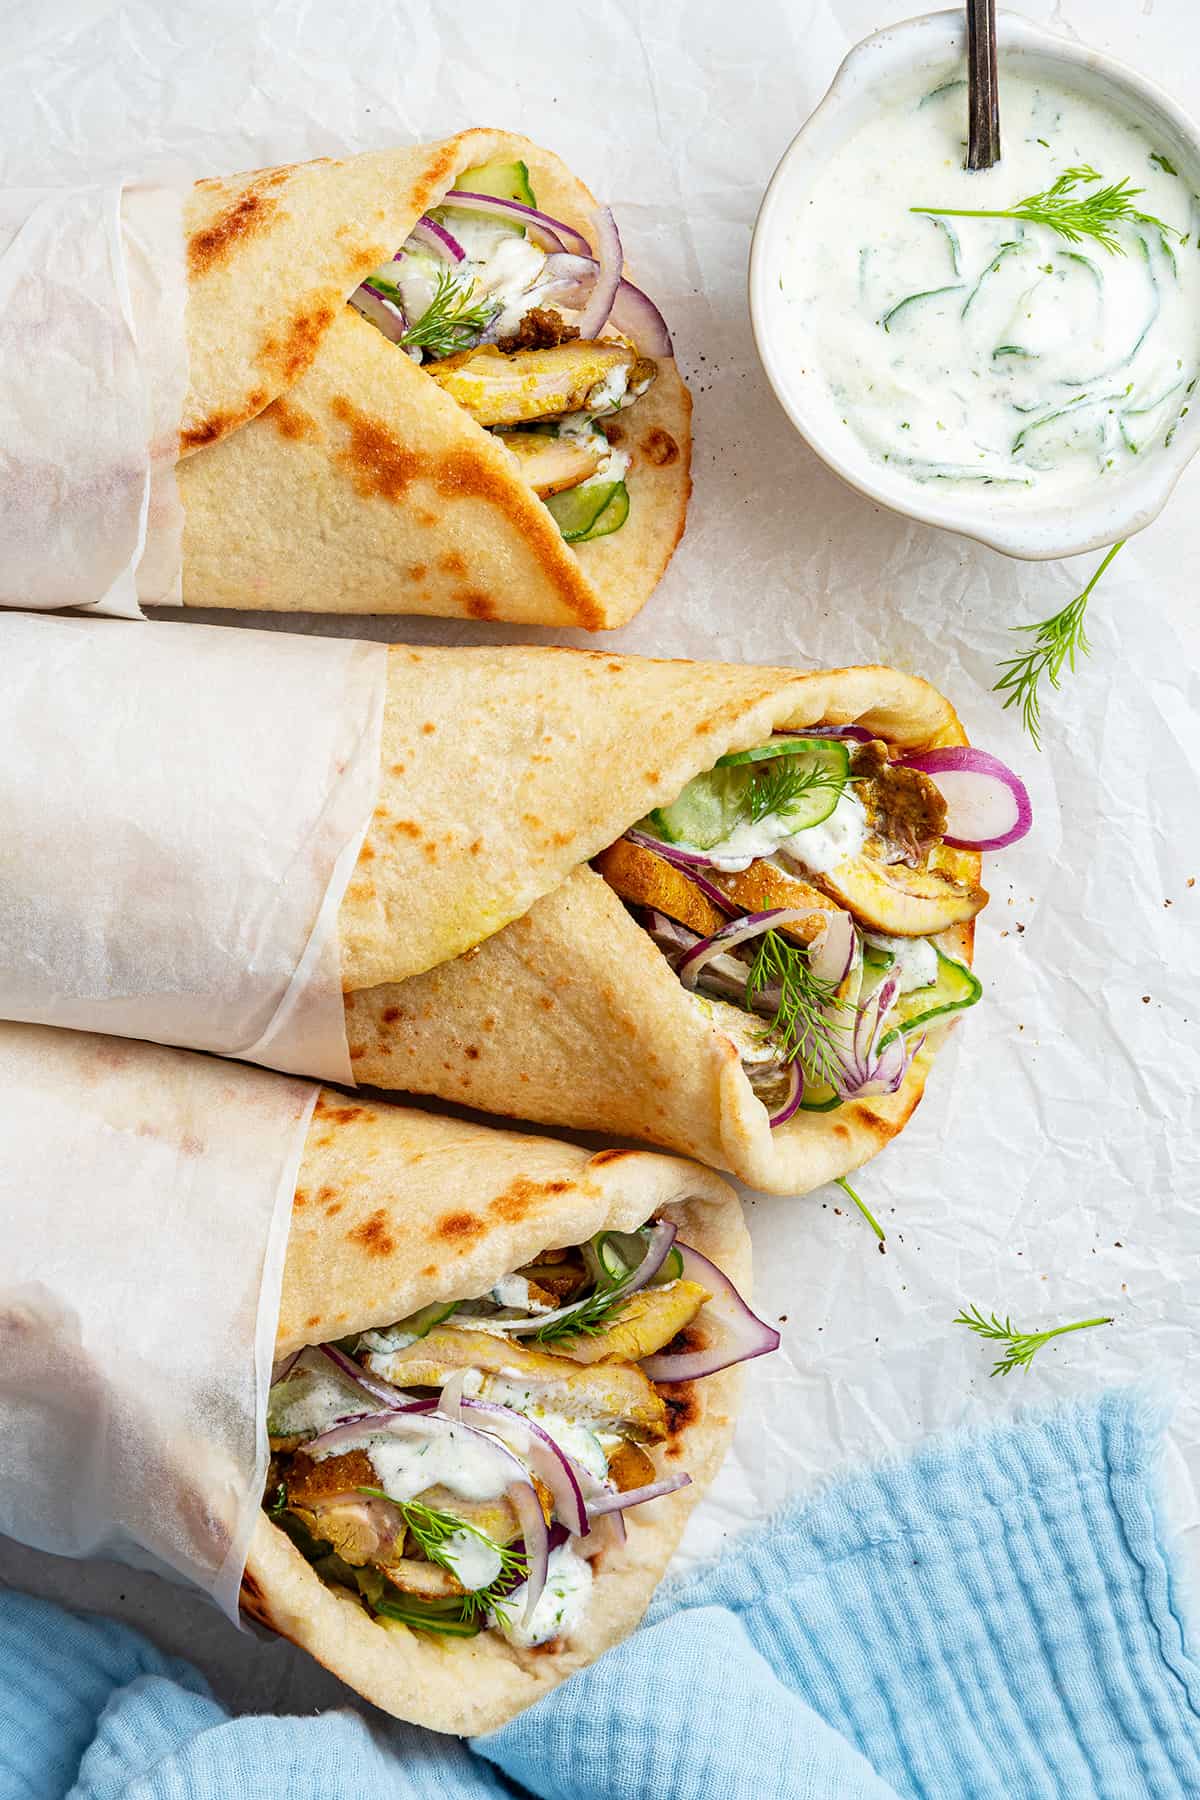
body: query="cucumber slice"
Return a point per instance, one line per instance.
(422, 1323)
(589, 512)
(819, 1097)
(709, 808)
(955, 989)
(502, 181)
(828, 749)
(713, 805)
(876, 963)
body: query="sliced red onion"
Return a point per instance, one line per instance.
(858, 732)
(987, 806)
(538, 1449)
(548, 233)
(868, 1066)
(568, 277)
(433, 236)
(607, 1533)
(688, 863)
(528, 1508)
(795, 1095)
(594, 316)
(831, 957)
(611, 1501)
(738, 931)
(658, 1245)
(384, 314)
(635, 315)
(672, 938)
(382, 1391)
(738, 1334)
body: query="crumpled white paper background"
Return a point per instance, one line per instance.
(181, 819)
(1054, 1168)
(145, 1200)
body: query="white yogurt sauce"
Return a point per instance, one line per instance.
(474, 1560)
(962, 350)
(914, 960)
(560, 1606)
(819, 847)
(470, 1465)
(312, 1397)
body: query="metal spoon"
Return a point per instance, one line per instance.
(983, 99)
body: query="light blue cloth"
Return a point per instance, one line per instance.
(994, 1618)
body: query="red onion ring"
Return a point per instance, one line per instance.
(987, 806)
(383, 1391)
(635, 316)
(739, 1333)
(538, 1449)
(687, 863)
(795, 1095)
(738, 931)
(433, 236)
(594, 316)
(548, 233)
(384, 314)
(610, 1501)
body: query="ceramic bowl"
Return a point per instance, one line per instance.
(936, 44)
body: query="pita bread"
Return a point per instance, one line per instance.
(395, 1209)
(485, 962)
(322, 470)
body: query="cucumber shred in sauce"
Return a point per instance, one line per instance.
(964, 350)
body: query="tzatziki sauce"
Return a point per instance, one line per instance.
(966, 350)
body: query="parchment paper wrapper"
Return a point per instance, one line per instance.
(208, 913)
(93, 373)
(145, 1199)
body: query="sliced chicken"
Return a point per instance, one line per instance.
(644, 879)
(647, 1320)
(551, 465)
(630, 1467)
(763, 886)
(423, 1580)
(511, 389)
(617, 1392)
(903, 902)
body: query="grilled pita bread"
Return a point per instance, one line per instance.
(485, 961)
(395, 1209)
(322, 470)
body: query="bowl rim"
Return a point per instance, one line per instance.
(1066, 528)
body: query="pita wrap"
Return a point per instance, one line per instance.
(323, 470)
(395, 1209)
(486, 962)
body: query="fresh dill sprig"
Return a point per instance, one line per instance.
(432, 1529)
(449, 322)
(864, 1209)
(781, 790)
(1073, 216)
(595, 1314)
(1022, 1345)
(802, 1016)
(1057, 641)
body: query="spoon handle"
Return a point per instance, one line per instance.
(983, 139)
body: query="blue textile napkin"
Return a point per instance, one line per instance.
(994, 1618)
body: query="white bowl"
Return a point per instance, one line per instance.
(1062, 528)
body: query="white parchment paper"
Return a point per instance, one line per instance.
(145, 1200)
(181, 815)
(1053, 1169)
(93, 374)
